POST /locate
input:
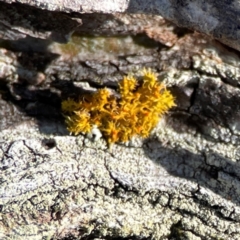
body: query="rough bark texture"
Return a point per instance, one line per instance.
(218, 19)
(183, 182)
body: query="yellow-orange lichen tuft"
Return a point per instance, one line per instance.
(136, 112)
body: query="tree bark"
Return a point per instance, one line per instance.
(218, 19)
(180, 183)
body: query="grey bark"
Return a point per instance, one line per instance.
(218, 19)
(180, 183)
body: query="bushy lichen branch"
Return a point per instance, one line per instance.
(136, 112)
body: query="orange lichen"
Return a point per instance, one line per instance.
(136, 112)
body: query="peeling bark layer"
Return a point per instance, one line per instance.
(218, 19)
(180, 183)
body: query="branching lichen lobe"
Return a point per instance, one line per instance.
(136, 112)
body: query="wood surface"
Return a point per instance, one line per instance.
(180, 183)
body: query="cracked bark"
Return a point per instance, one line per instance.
(218, 19)
(181, 183)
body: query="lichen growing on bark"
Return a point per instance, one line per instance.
(135, 112)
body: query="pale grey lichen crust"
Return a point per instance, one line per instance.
(168, 183)
(182, 181)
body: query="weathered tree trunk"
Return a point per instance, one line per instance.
(183, 182)
(219, 19)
